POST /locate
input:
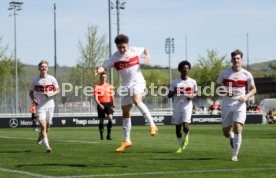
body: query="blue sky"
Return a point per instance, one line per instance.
(221, 25)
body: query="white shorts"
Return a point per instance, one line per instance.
(179, 117)
(231, 114)
(130, 91)
(45, 114)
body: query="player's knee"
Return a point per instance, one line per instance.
(44, 132)
(186, 130)
(109, 117)
(43, 127)
(101, 121)
(126, 109)
(136, 102)
(126, 114)
(237, 128)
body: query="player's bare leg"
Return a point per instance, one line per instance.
(228, 133)
(178, 133)
(137, 99)
(237, 140)
(186, 130)
(126, 128)
(44, 129)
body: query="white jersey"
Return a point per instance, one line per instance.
(128, 66)
(42, 85)
(183, 88)
(235, 82)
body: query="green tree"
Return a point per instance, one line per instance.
(156, 76)
(272, 65)
(208, 68)
(92, 53)
(7, 79)
(4, 61)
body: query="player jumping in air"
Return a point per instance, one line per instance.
(127, 62)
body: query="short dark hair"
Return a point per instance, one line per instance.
(236, 52)
(103, 73)
(120, 39)
(43, 62)
(183, 63)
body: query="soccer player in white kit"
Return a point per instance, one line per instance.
(233, 104)
(127, 62)
(42, 90)
(183, 90)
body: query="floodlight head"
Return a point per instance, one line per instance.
(15, 3)
(122, 5)
(111, 5)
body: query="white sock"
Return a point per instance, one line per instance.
(46, 143)
(127, 128)
(236, 144)
(180, 141)
(145, 111)
(231, 134)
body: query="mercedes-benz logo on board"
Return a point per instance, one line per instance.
(13, 123)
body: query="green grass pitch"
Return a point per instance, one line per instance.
(78, 152)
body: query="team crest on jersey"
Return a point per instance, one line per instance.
(43, 88)
(120, 65)
(235, 83)
(184, 90)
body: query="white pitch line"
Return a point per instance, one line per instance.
(124, 174)
(23, 173)
(77, 141)
(16, 138)
(68, 141)
(170, 172)
(138, 174)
